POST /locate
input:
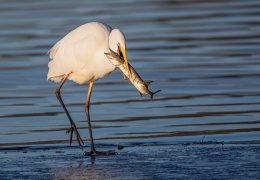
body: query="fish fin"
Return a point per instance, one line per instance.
(140, 95)
(154, 93)
(148, 82)
(125, 77)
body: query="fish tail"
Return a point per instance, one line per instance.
(151, 94)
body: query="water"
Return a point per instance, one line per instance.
(204, 56)
(153, 162)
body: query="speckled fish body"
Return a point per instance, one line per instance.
(133, 77)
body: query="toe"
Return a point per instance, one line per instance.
(106, 153)
(88, 153)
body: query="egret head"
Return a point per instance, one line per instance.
(117, 43)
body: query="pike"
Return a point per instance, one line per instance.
(134, 78)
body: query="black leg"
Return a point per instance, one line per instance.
(93, 150)
(73, 127)
(87, 114)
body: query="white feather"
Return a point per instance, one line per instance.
(81, 53)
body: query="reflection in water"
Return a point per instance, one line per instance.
(203, 55)
(102, 167)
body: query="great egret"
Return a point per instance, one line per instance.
(79, 57)
(85, 55)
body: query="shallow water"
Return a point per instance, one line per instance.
(137, 162)
(204, 56)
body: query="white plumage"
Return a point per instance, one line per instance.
(81, 53)
(80, 57)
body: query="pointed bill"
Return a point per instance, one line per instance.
(123, 51)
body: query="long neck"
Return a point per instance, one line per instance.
(116, 36)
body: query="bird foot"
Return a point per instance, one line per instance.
(102, 153)
(74, 129)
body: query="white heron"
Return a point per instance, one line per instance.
(79, 57)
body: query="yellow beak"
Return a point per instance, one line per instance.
(123, 51)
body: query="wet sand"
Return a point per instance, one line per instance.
(209, 160)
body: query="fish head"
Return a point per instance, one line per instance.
(114, 58)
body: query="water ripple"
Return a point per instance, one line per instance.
(203, 55)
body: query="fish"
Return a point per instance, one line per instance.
(133, 77)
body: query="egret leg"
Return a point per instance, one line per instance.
(73, 127)
(87, 114)
(93, 150)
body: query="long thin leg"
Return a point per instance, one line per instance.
(72, 124)
(93, 150)
(87, 114)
